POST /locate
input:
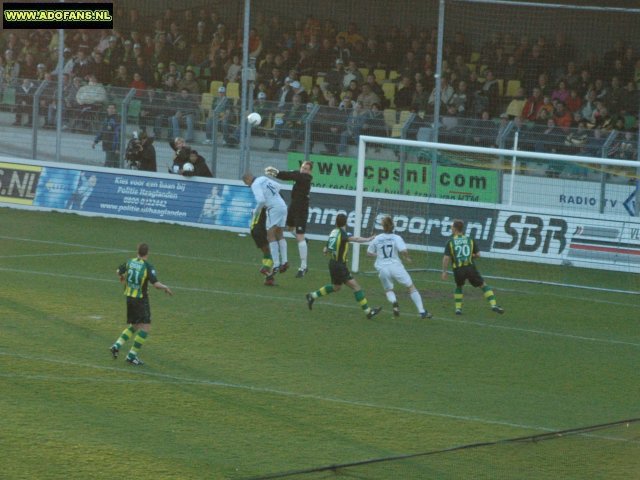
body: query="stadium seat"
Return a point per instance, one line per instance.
(380, 74)
(393, 75)
(396, 130)
(233, 90)
(364, 71)
(206, 102)
(475, 56)
(512, 88)
(320, 80)
(500, 86)
(471, 67)
(389, 90)
(390, 117)
(307, 82)
(213, 87)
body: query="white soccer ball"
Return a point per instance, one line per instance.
(175, 168)
(254, 119)
(188, 167)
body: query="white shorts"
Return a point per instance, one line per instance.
(397, 272)
(276, 216)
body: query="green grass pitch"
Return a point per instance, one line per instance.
(242, 380)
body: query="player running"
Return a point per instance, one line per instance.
(460, 251)
(387, 248)
(338, 247)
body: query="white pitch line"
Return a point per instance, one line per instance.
(267, 390)
(29, 255)
(350, 307)
(160, 377)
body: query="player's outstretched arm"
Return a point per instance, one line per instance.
(162, 286)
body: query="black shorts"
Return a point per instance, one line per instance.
(339, 272)
(297, 218)
(461, 274)
(138, 310)
(259, 235)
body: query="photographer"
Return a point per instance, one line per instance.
(140, 153)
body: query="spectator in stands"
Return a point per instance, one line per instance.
(317, 96)
(325, 57)
(550, 139)
(234, 70)
(589, 106)
(375, 124)
(575, 142)
(153, 112)
(533, 105)
(560, 93)
(460, 68)
(91, 99)
(574, 102)
(182, 152)
(368, 97)
(404, 96)
(375, 86)
(139, 84)
(341, 50)
(189, 82)
(144, 69)
(100, 68)
(121, 77)
(185, 113)
(490, 93)
(24, 102)
(627, 148)
(355, 122)
(351, 73)
(335, 78)
(292, 122)
(562, 117)
(109, 135)
(546, 110)
(28, 67)
(616, 94)
(460, 102)
(354, 89)
(82, 64)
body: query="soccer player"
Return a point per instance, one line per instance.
(136, 274)
(338, 247)
(267, 194)
(460, 251)
(299, 206)
(387, 248)
(259, 235)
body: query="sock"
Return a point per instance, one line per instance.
(391, 296)
(124, 336)
(137, 344)
(303, 249)
(275, 253)
(457, 296)
(324, 291)
(417, 299)
(488, 294)
(267, 261)
(282, 243)
(362, 300)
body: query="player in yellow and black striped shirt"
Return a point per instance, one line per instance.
(338, 248)
(136, 274)
(460, 252)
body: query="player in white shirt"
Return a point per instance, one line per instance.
(267, 194)
(387, 247)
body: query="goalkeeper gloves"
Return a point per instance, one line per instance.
(271, 171)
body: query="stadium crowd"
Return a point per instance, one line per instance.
(559, 101)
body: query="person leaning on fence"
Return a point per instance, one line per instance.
(109, 135)
(200, 168)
